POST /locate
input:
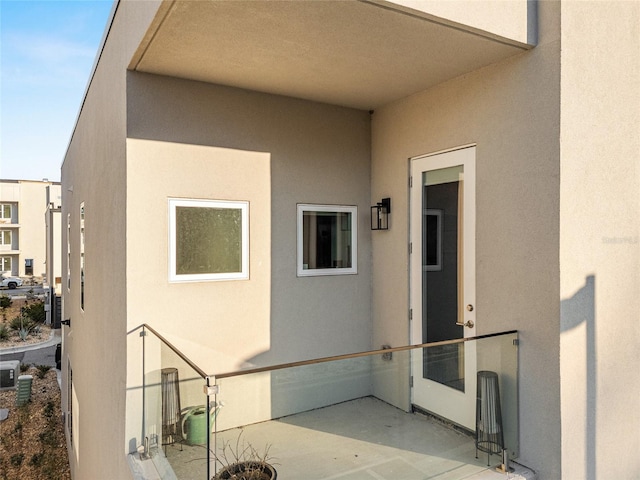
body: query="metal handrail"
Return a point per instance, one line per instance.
(359, 354)
(301, 363)
(175, 349)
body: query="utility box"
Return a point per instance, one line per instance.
(9, 374)
(24, 389)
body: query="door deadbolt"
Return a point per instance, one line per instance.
(470, 308)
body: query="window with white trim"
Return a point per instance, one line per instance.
(208, 240)
(5, 211)
(327, 240)
(5, 237)
(5, 264)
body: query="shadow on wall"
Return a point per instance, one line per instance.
(574, 312)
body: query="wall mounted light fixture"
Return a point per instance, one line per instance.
(380, 215)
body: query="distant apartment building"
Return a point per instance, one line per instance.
(25, 207)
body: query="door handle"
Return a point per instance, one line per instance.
(468, 323)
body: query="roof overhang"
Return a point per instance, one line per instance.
(360, 54)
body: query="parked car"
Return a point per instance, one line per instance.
(10, 282)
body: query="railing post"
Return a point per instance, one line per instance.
(143, 334)
(210, 389)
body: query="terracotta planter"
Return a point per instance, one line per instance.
(250, 470)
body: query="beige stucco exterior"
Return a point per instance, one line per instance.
(94, 173)
(600, 238)
(298, 152)
(161, 120)
(517, 217)
(514, 21)
(182, 156)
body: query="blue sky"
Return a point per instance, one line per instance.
(47, 51)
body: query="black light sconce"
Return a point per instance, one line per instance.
(380, 215)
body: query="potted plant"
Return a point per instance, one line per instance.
(243, 462)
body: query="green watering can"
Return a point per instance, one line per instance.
(194, 424)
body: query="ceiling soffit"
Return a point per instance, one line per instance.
(348, 53)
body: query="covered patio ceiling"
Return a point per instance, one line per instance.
(358, 54)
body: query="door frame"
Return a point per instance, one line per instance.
(454, 405)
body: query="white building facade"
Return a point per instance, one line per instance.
(23, 226)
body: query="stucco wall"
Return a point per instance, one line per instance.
(32, 237)
(218, 324)
(53, 227)
(600, 239)
(513, 20)
(221, 143)
(510, 110)
(53, 235)
(194, 140)
(94, 172)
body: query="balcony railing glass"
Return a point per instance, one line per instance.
(375, 414)
(176, 420)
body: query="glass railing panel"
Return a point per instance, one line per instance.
(175, 412)
(322, 418)
(499, 354)
(454, 381)
(354, 414)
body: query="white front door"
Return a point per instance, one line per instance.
(443, 283)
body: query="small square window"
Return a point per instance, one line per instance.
(327, 240)
(208, 240)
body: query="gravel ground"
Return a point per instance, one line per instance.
(14, 340)
(32, 441)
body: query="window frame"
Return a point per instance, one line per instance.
(241, 205)
(68, 252)
(2, 235)
(70, 393)
(2, 209)
(9, 259)
(316, 272)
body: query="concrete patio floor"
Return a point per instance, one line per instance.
(363, 439)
